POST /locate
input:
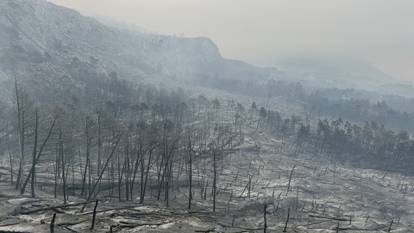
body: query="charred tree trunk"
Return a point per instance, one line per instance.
(99, 144)
(214, 180)
(190, 175)
(100, 174)
(56, 172)
(139, 160)
(168, 183)
(11, 168)
(389, 228)
(52, 224)
(94, 215)
(120, 176)
(21, 132)
(22, 190)
(63, 165)
(287, 220)
(290, 179)
(87, 161)
(146, 178)
(265, 218)
(34, 154)
(249, 187)
(127, 175)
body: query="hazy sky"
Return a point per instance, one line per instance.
(257, 31)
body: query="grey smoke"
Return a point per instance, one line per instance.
(261, 31)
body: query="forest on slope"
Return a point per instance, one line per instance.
(146, 144)
(82, 122)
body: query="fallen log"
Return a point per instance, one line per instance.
(240, 227)
(357, 229)
(328, 217)
(206, 231)
(70, 229)
(314, 223)
(71, 223)
(124, 224)
(4, 231)
(53, 207)
(58, 211)
(9, 224)
(131, 208)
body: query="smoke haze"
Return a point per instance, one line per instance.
(260, 32)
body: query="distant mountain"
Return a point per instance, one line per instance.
(401, 89)
(336, 72)
(45, 45)
(49, 48)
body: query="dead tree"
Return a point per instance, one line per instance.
(56, 171)
(120, 176)
(11, 168)
(87, 163)
(52, 223)
(21, 128)
(287, 220)
(190, 173)
(214, 180)
(249, 186)
(99, 143)
(265, 218)
(102, 171)
(389, 228)
(228, 202)
(167, 170)
(165, 156)
(63, 165)
(139, 162)
(94, 215)
(34, 154)
(127, 172)
(168, 182)
(144, 184)
(290, 179)
(39, 153)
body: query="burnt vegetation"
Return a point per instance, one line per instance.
(117, 142)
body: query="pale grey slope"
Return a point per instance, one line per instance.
(42, 42)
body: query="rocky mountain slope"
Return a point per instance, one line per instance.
(42, 42)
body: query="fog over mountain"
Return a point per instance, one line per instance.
(107, 126)
(53, 38)
(377, 31)
(41, 33)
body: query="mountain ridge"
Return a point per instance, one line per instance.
(41, 40)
